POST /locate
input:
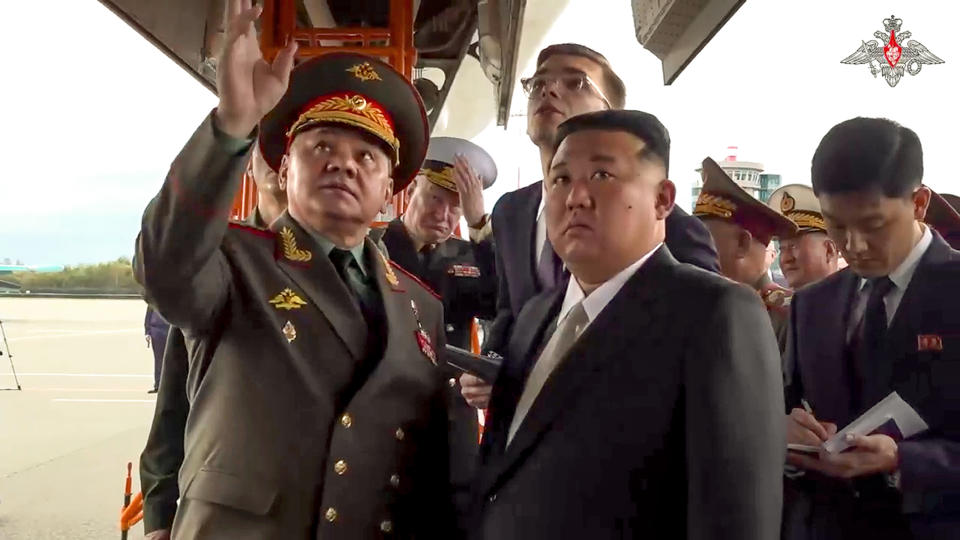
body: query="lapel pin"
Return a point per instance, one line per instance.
(287, 299)
(929, 342)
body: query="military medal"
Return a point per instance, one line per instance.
(423, 338)
(289, 332)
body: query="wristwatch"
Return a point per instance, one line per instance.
(483, 221)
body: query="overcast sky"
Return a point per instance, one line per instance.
(94, 119)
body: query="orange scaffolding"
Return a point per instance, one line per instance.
(394, 45)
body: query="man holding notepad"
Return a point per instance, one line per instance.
(887, 323)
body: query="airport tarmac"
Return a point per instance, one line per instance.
(82, 414)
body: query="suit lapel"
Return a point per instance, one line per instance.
(527, 234)
(303, 261)
(829, 366)
(901, 339)
(616, 329)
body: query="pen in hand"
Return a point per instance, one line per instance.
(806, 406)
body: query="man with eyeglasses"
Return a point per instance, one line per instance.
(570, 80)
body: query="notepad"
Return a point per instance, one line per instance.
(892, 407)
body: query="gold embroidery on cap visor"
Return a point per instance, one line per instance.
(352, 110)
(712, 205)
(442, 178)
(807, 220)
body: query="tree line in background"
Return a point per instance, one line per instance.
(115, 277)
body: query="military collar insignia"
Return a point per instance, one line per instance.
(423, 338)
(290, 249)
(364, 72)
(287, 299)
(388, 272)
(289, 332)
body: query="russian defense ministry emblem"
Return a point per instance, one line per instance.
(892, 59)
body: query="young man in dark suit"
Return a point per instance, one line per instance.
(638, 400)
(570, 79)
(889, 322)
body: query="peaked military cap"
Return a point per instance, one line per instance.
(722, 198)
(943, 214)
(356, 91)
(441, 156)
(644, 126)
(798, 203)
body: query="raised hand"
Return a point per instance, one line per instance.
(249, 87)
(470, 187)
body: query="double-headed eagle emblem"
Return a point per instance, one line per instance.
(892, 59)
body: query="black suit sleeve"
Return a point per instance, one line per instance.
(496, 340)
(690, 242)
(484, 253)
(734, 424)
(792, 385)
(163, 454)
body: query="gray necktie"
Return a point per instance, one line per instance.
(557, 347)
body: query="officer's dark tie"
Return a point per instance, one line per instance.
(363, 290)
(873, 331)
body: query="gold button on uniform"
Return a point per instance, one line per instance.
(340, 467)
(400, 434)
(346, 420)
(331, 514)
(395, 480)
(386, 526)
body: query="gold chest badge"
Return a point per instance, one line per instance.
(287, 299)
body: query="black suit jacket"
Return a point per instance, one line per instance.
(663, 420)
(929, 380)
(514, 229)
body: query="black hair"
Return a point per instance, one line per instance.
(866, 154)
(644, 126)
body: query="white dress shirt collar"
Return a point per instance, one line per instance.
(594, 303)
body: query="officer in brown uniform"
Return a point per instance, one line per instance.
(810, 255)
(943, 214)
(317, 409)
(450, 186)
(742, 228)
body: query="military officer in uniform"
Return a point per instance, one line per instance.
(163, 453)
(810, 255)
(317, 406)
(450, 185)
(943, 214)
(742, 228)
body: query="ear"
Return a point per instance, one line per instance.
(831, 248)
(666, 197)
(283, 172)
(387, 194)
(744, 242)
(921, 199)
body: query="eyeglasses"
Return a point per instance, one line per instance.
(573, 83)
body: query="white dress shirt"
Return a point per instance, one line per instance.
(593, 304)
(900, 277)
(541, 235)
